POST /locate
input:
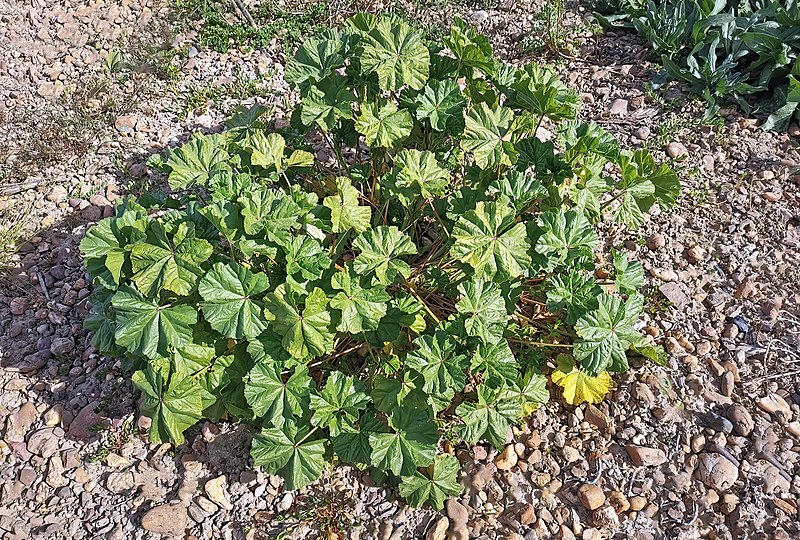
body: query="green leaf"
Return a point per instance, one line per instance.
(568, 239)
(530, 389)
(362, 308)
(629, 274)
(574, 291)
(354, 446)
(148, 329)
(380, 249)
(196, 161)
(229, 306)
(337, 407)
(520, 189)
(538, 90)
(287, 452)
(471, 49)
(442, 103)
(106, 244)
(389, 393)
(274, 399)
(495, 363)
(420, 172)
(485, 310)
(606, 333)
(192, 359)
(305, 256)
(643, 184)
(433, 484)
(171, 264)
(490, 417)
(346, 213)
(315, 59)
(173, 406)
(437, 359)
(385, 126)
(270, 212)
(304, 322)
(487, 136)
(410, 444)
(327, 102)
(490, 241)
(397, 54)
(267, 151)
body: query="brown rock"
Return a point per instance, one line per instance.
(216, 491)
(643, 456)
(166, 519)
(605, 518)
(439, 529)
(79, 428)
(673, 292)
(619, 501)
(507, 458)
(18, 305)
(715, 471)
(20, 422)
(775, 405)
(638, 503)
(676, 150)
(457, 512)
(591, 496)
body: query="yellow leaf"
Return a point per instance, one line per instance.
(579, 386)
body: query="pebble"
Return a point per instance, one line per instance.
(716, 471)
(166, 519)
(507, 458)
(217, 492)
(457, 512)
(439, 529)
(591, 496)
(676, 150)
(618, 107)
(645, 457)
(775, 405)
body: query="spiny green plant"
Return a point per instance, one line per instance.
(402, 258)
(742, 52)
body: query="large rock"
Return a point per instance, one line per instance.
(216, 491)
(20, 421)
(716, 471)
(79, 429)
(166, 519)
(591, 496)
(439, 529)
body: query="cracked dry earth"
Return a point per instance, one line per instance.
(706, 447)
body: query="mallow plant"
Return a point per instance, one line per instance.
(400, 261)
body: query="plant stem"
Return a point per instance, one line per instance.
(539, 343)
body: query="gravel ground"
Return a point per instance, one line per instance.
(704, 448)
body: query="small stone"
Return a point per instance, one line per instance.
(62, 346)
(119, 482)
(774, 481)
(637, 503)
(52, 416)
(696, 254)
(656, 241)
(125, 124)
(643, 456)
(166, 519)
(117, 461)
(507, 458)
(618, 107)
(676, 150)
(439, 529)
(605, 518)
(20, 422)
(726, 384)
(673, 292)
(81, 427)
(591, 496)
(457, 512)
(741, 419)
(619, 501)
(571, 454)
(716, 471)
(18, 305)
(215, 489)
(642, 133)
(285, 503)
(596, 417)
(775, 405)
(730, 331)
(772, 307)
